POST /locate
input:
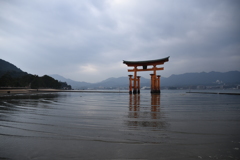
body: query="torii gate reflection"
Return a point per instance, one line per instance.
(145, 118)
(155, 79)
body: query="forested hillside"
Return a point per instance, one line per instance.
(11, 76)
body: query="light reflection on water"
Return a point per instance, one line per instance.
(173, 125)
(145, 113)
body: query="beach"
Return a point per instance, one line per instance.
(15, 91)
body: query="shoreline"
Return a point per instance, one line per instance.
(25, 91)
(14, 91)
(215, 93)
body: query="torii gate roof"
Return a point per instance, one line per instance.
(147, 62)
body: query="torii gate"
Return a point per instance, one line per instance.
(155, 79)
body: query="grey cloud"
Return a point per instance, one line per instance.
(64, 37)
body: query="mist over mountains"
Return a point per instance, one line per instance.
(187, 79)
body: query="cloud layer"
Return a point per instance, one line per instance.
(87, 40)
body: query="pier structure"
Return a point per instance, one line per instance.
(134, 80)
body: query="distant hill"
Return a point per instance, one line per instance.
(187, 79)
(118, 82)
(9, 72)
(11, 76)
(110, 82)
(203, 78)
(6, 66)
(74, 84)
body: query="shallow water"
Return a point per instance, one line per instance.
(173, 125)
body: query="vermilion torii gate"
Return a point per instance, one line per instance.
(155, 79)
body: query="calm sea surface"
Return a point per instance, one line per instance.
(173, 125)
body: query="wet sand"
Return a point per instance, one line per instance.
(30, 91)
(23, 91)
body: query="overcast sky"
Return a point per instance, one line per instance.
(86, 40)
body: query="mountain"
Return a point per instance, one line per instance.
(6, 67)
(110, 82)
(187, 79)
(203, 78)
(119, 82)
(74, 84)
(11, 76)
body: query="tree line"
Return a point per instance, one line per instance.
(14, 79)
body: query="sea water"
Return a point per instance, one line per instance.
(172, 125)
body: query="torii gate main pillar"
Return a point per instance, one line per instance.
(134, 80)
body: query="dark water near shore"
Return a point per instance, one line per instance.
(173, 125)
